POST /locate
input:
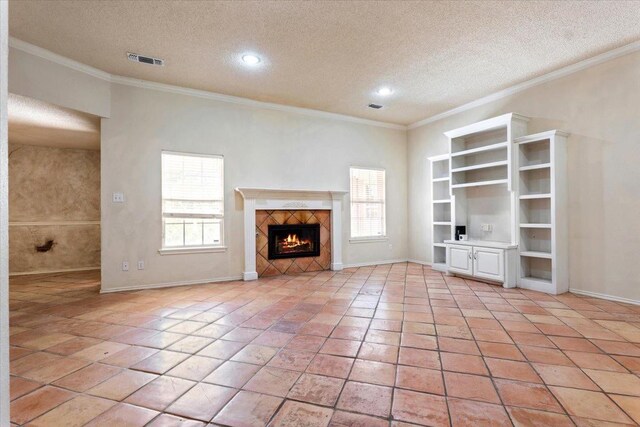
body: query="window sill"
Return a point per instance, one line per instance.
(368, 239)
(194, 250)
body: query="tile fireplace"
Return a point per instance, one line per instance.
(269, 206)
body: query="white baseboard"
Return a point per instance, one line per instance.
(369, 264)
(604, 296)
(169, 284)
(65, 270)
(416, 261)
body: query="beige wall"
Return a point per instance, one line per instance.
(45, 80)
(54, 194)
(262, 148)
(600, 107)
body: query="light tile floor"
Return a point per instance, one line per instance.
(393, 345)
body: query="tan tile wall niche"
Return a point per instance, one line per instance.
(54, 194)
(266, 267)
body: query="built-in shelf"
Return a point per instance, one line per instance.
(534, 167)
(441, 205)
(480, 183)
(535, 196)
(482, 149)
(535, 254)
(481, 166)
(535, 225)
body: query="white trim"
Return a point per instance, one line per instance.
(58, 59)
(64, 270)
(371, 263)
(289, 193)
(604, 296)
(51, 223)
(128, 81)
(553, 75)
(250, 275)
(287, 199)
(368, 239)
(191, 250)
(170, 284)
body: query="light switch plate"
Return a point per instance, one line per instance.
(141, 265)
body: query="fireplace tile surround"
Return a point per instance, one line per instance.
(279, 202)
(273, 267)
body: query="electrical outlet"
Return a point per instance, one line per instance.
(125, 265)
(118, 197)
(141, 265)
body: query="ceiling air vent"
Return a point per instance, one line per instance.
(145, 59)
(375, 106)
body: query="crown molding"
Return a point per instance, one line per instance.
(553, 75)
(128, 81)
(146, 84)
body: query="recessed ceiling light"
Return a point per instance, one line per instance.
(251, 59)
(384, 91)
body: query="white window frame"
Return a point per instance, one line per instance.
(186, 249)
(376, 238)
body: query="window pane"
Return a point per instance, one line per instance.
(192, 199)
(367, 203)
(193, 232)
(213, 232)
(173, 232)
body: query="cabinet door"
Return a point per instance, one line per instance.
(459, 259)
(488, 263)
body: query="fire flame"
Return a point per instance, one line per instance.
(293, 241)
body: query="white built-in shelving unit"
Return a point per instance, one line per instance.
(509, 190)
(542, 212)
(440, 210)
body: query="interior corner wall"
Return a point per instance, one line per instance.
(262, 148)
(54, 194)
(42, 79)
(600, 107)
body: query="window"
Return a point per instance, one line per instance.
(368, 219)
(192, 200)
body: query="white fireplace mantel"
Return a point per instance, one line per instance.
(286, 199)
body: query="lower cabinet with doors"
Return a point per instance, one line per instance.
(493, 261)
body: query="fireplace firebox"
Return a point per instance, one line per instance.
(294, 241)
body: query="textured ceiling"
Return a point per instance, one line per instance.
(331, 56)
(34, 122)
